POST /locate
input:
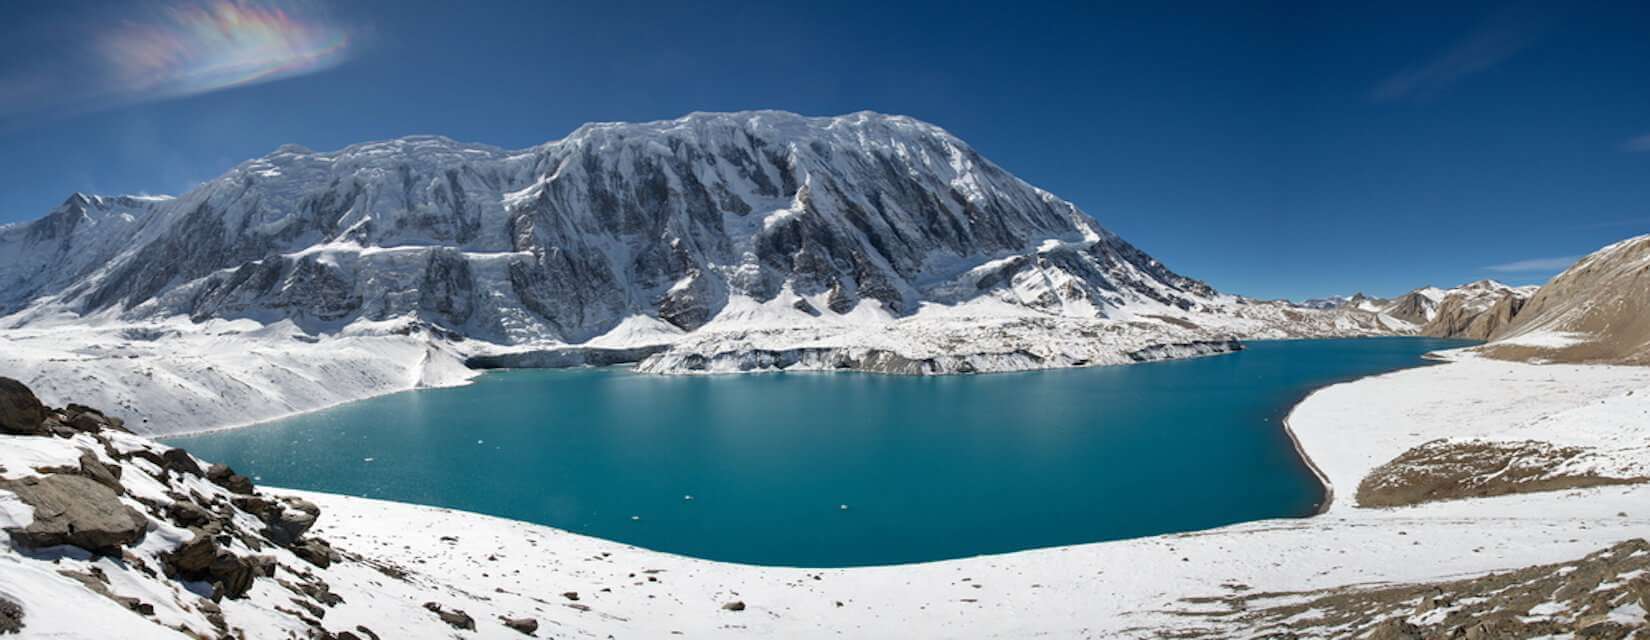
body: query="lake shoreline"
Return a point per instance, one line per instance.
(1054, 588)
(1100, 428)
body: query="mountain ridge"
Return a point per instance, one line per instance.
(662, 221)
(753, 240)
(563, 241)
(1596, 311)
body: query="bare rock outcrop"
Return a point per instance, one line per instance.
(1597, 311)
(20, 412)
(1453, 469)
(74, 510)
(232, 537)
(1476, 311)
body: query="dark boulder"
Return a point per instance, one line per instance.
(74, 510)
(20, 412)
(457, 619)
(180, 461)
(314, 551)
(226, 477)
(233, 575)
(202, 559)
(526, 626)
(289, 521)
(83, 418)
(188, 514)
(285, 518)
(192, 559)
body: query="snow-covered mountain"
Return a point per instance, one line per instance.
(739, 241)
(1473, 310)
(69, 243)
(566, 240)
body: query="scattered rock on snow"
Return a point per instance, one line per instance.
(226, 477)
(528, 626)
(736, 605)
(201, 558)
(90, 467)
(74, 510)
(314, 551)
(458, 619)
(286, 518)
(180, 461)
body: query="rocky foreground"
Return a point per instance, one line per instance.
(92, 491)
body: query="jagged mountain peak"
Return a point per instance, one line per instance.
(671, 219)
(766, 121)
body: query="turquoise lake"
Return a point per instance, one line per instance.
(929, 468)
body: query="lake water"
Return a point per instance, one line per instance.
(928, 468)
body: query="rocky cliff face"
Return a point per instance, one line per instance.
(1595, 311)
(561, 242)
(1473, 310)
(1414, 307)
(1476, 310)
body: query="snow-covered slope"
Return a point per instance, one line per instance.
(564, 241)
(69, 243)
(1596, 311)
(747, 240)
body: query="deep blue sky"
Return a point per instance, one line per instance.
(1285, 149)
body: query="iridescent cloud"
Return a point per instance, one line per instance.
(198, 47)
(148, 51)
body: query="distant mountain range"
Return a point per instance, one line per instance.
(1476, 310)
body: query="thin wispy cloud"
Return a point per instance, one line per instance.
(1641, 143)
(1612, 224)
(1481, 50)
(180, 48)
(1534, 264)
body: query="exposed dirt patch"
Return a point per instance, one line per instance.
(1452, 469)
(1604, 595)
